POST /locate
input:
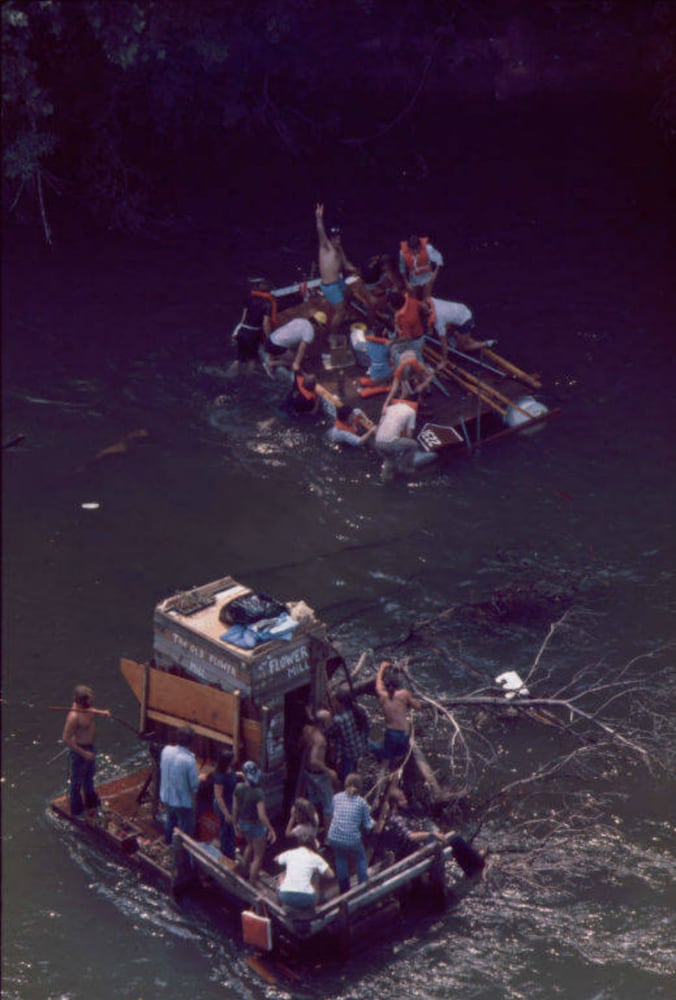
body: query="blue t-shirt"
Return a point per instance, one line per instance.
(179, 779)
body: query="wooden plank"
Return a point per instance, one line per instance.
(175, 720)
(252, 740)
(188, 700)
(143, 714)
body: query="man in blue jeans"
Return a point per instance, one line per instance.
(395, 702)
(79, 734)
(179, 781)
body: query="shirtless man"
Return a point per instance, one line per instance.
(333, 265)
(395, 702)
(79, 734)
(319, 777)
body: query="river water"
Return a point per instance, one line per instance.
(558, 226)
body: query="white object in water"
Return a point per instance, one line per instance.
(512, 685)
(528, 409)
(90, 505)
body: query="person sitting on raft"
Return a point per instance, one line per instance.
(351, 427)
(302, 868)
(296, 334)
(376, 349)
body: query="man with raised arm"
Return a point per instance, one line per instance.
(333, 267)
(79, 734)
(395, 702)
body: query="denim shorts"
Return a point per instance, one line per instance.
(335, 292)
(253, 829)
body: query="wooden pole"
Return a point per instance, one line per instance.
(487, 392)
(531, 380)
(426, 771)
(143, 711)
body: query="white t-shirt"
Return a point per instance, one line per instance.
(293, 332)
(397, 421)
(446, 312)
(300, 864)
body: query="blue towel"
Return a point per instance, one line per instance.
(242, 636)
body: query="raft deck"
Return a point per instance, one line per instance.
(475, 397)
(125, 823)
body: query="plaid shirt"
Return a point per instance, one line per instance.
(350, 742)
(351, 815)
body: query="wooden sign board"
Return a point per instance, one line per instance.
(435, 436)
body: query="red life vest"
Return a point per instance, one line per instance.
(409, 402)
(411, 363)
(309, 394)
(269, 297)
(352, 427)
(417, 262)
(408, 321)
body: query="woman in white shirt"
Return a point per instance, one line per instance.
(301, 867)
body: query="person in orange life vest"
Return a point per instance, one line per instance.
(303, 397)
(419, 264)
(412, 320)
(256, 324)
(351, 427)
(411, 378)
(298, 333)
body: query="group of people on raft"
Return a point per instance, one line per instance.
(398, 312)
(332, 815)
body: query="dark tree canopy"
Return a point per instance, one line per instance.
(102, 99)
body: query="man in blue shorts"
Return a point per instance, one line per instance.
(333, 266)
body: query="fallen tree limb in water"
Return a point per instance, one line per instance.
(545, 763)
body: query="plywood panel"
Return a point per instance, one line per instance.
(185, 699)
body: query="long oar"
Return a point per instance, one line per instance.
(500, 397)
(97, 711)
(458, 375)
(468, 357)
(470, 387)
(523, 376)
(488, 393)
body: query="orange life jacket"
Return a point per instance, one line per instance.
(309, 394)
(411, 363)
(269, 297)
(409, 402)
(352, 427)
(408, 322)
(417, 262)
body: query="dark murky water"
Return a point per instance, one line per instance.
(559, 232)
